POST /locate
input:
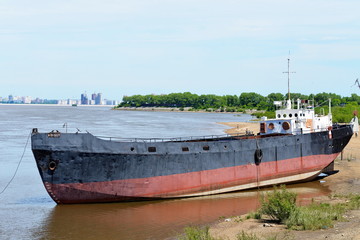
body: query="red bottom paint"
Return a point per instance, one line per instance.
(185, 184)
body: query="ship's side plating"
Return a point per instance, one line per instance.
(78, 168)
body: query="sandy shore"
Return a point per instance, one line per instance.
(346, 181)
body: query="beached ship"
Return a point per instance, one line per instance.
(297, 145)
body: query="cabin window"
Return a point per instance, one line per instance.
(152, 149)
(132, 149)
(296, 114)
(271, 126)
(185, 149)
(286, 125)
(284, 115)
(290, 115)
(279, 116)
(206, 148)
(262, 127)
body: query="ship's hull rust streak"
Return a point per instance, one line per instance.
(191, 184)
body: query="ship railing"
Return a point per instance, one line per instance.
(177, 139)
(306, 131)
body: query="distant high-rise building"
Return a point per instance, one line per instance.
(11, 99)
(84, 99)
(98, 100)
(93, 96)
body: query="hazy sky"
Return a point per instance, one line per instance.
(59, 49)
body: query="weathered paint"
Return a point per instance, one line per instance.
(89, 169)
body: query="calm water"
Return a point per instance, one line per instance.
(27, 212)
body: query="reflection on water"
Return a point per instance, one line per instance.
(155, 219)
(27, 212)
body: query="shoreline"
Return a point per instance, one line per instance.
(185, 109)
(241, 127)
(53, 105)
(346, 181)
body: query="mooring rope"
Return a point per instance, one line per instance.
(17, 168)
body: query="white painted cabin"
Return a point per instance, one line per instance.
(296, 121)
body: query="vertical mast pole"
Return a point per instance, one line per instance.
(288, 72)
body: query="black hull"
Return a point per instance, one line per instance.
(79, 168)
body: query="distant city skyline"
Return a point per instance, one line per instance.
(96, 99)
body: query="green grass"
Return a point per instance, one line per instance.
(278, 204)
(197, 233)
(251, 236)
(315, 216)
(322, 215)
(246, 236)
(254, 215)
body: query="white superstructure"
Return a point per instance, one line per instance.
(296, 121)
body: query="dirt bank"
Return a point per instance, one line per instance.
(347, 180)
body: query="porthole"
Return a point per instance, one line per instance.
(271, 126)
(296, 115)
(286, 125)
(52, 165)
(206, 148)
(290, 115)
(151, 149)
(185, 149)
(279, 116)
(132, 149)
(284, 115)
(225, 147)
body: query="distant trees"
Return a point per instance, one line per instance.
(252, 100)
(185, 99)
(234, 103)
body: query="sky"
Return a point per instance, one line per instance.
(60, 49)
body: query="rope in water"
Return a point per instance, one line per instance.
(17, 168)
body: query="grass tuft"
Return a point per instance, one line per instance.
(279, 204)
(246, 236)
(197, 233)
(254, 215)
(316, 216)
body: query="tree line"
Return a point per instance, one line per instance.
(231, 103)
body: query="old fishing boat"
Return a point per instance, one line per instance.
(295, 146)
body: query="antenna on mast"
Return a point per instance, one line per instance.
(288, 73)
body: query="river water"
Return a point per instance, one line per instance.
(27, 212)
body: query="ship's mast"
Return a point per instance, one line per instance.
(288, 73)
